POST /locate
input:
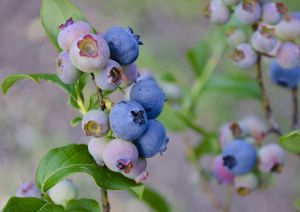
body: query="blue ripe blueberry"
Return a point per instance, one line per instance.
(138, 172)
(123, 44)
(70, 31)
(66, 72)
(239, 157)
(248, 12)
(244, 56)
(273, 12)
(128, 120)
(89, 53)
(231, 2)
(245, 184)
(217, 12)
(235, 36)
(149, 95)
(284, 77)
(153, 141)
(95, 123)
(288, 28)
(264, 39)
(288, 55)
(96, 147)
(28, 189)
(109, 78)
(130, 75)
(120, 155)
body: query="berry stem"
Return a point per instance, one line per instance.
(99, 94)
(295, 116)
(265, 99)
(104, 200)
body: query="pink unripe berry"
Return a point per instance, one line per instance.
(288, 55)
(89, 53)
(228, 132)
(244, 56)
(109, 78)
(248, 12)
(95, 123)
(71, 31)
(66, 72)
(271, 158)
(288, 28)
(254, 127)
(273, 12)
(235, 36)
(96, 147)
(264, 40)
(217, 12)
(220, 172)
(28, 189)
(245, 184)
(138, 171)
(130, 75)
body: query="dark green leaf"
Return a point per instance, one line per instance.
(153, 199)
(208, 146)
(83, 205)
(29, 204)
(64, 161)
(75, 121)
(291, 141)
(55, 13)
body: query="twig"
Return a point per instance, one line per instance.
(104, 200)
(265, 99)
(295, 116)
(99, 94)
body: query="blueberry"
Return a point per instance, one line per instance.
(96, 147)
(149, 95)
(228, 132)
(89, 53)
(273, 12)
(138, 171)
(120, 155)
(130, 75)
(271, 158)
(239, 157)
(254, 127)
(63, 192)
(248, 12)
(123, 44)
(66, 72)
(245, 184)
(235, 36)
(217, 12)
(220, 172)
(284, 77)
(95, 123)
(70, 31)
(153, 141)
(109, 78)
(244, 56)
(264, 40)
(128, 120)
(28, 189)
(288, 55)
(288, 28)
(295, 15)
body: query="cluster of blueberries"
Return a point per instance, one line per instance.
(275, 34)
(244, 158)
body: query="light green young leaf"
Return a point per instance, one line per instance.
(297, 204)
(84, 205)
(56, 12)
(64, 161)
(291, 141)
(75, 121)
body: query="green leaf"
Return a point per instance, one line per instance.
(75, 121)
(207, 146)
(297, 204)
(56, 12)
(291, 141)
(153, 199)
(83, 205)
(64, 161)
(17, 204)
(138, 190)
(10, 80)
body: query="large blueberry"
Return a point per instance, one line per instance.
(149, 95)
(128, 120)
(284, 77)
(153, 140)
(123, 44)
(239, 157)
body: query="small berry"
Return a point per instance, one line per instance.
(217, 12)
(89, 53)
(28, 189)
(231, 2)
(248, 12)
(271, 158)
(288, 55)
(239, 157)
(284, 77)
(228, 132)
(130, 75)
(235, 36)
(120, 155)
(63, 192)
(245, 184)
(123, 44)
(138, 171)
(109, 78)
(66, 72)
(70, 31)
(95, 123)
(128, 120)
(96, 147)
(264, 40)
(273, 12)
(254, 127)
(244, 56)
(153, 141)
(288, 28)
(149, 95)
(221, 173)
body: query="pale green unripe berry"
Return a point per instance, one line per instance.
(96, 147)
(63, 192)
(245, 184)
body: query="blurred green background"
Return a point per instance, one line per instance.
(35, 118)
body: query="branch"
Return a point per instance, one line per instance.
(265, 99)
(99, 94)
(104, 200)
(295, 116)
